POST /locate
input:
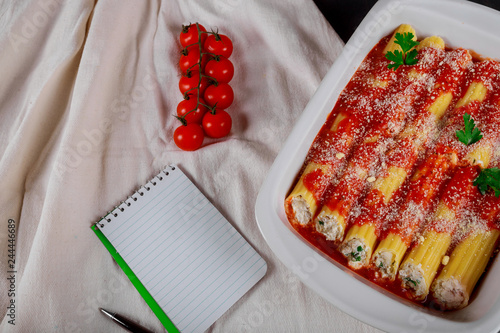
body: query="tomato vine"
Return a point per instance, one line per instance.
(210, 87)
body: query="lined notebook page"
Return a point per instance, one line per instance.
(187, 255)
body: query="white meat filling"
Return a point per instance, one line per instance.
(383, 260)
(301, 209)
(450, 293)
(355, 251)
(329, 226)
(412, 278)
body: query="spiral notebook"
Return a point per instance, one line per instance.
(186, 260)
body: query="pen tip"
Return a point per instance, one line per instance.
(107, 313)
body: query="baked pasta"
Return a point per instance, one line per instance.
(390, 189)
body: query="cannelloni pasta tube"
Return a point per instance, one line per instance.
(420, 265)
(475, 245)
(355, 105)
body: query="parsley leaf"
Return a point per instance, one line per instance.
(408, 56)
(411, 57)
(405, 40)
(396, 57)
(488, 178)
(471, 133)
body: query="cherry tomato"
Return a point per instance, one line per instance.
(190, 58)
(217, 124)
(220, 96)
(189, 83)
(221, 69)
(189, 137)
(189, 34)
(191, 110)
(187, 105)
(219, 44)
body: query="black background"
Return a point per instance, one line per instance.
(346, 15)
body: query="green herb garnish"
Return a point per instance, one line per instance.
(408, 56)
(321, 223)
(488, 178)
(471, 133)
(355, 255)
(412, 281)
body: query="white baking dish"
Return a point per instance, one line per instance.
(461, 24)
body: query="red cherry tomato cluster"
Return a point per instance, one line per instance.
(206, 73)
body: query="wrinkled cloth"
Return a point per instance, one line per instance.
(87, 96)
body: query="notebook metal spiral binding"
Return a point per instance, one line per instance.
(133, 197)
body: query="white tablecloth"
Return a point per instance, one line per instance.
(87, 93)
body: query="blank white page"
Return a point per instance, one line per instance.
(187, 255)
